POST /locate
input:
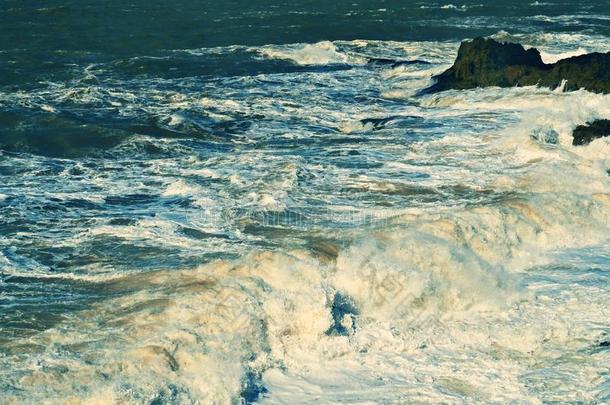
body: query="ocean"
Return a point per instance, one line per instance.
(251, 202)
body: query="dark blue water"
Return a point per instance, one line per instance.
(42, 41)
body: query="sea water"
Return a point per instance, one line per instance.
(244, 202)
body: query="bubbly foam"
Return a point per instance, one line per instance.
(321, 53)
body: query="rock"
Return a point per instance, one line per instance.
(395, 63)
(486, 62)
(583, 134)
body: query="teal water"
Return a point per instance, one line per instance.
(214, 202)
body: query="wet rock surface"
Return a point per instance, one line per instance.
(584, 134)
(485, 62)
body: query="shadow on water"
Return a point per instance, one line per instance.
(53, 135)
(67, 135)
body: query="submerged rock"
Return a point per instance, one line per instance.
(394, 63)
(583, 134)
(486, 62)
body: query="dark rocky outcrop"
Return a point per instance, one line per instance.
(394, 63)
(486, 62)
(583, 134)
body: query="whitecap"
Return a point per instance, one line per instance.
(180, 188)
(554, 57)
(321, 53)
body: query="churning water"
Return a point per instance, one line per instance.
(244, 202)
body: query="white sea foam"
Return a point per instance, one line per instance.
(454, 7)
(432, 286)
(463, 7)
(321, 53)
(554, 57)
(557, 45)
(180, 187)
